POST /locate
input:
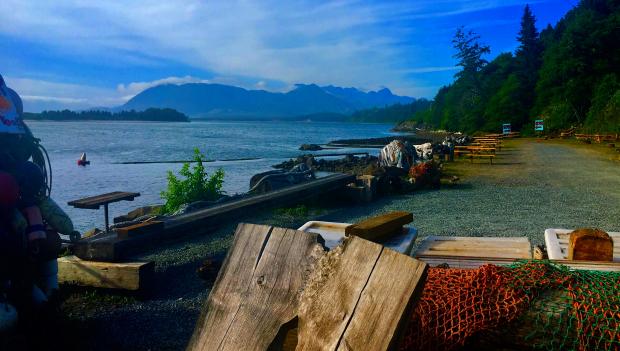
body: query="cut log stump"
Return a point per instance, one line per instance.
(590, 245)
(257, 290)
(359, 298)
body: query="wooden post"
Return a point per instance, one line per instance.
(107, 220)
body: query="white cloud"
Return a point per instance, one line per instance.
(37, 93)
(431, 69)
(64, 100)
(134, 88)
(349, 43)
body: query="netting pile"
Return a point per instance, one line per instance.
(535, 304)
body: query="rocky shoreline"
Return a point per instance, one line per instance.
(382, 141)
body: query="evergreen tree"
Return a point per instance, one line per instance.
(469, 54)
(528, 61)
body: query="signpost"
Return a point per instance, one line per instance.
(506, 128)
(539, 125)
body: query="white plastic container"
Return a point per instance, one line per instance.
(333, 234)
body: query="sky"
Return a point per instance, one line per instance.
(78, 54)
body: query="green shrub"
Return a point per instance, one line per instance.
(196, 185)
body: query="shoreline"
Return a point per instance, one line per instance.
(519, 195)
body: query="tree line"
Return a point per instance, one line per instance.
(150, 115)
(390, 114)
(567, 75)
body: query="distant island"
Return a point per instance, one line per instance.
(148, 115)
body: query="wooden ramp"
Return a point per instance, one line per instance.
(110, 247)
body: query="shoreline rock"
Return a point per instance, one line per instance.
(310, 147)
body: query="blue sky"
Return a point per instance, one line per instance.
(78, 53)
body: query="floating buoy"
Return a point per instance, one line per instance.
(82, 161)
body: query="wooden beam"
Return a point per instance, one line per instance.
(475, 262)
(139, 229)
(359, 298)
(380, 226)
(109, 247)
(257, 290)
(126, 276)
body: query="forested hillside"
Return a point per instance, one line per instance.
(567, 75)
(390, 114)
(150, 115)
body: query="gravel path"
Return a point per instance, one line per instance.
(531, 187)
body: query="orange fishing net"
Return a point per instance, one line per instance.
(580, 309)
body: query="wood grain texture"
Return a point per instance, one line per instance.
(515, 247)
(395, 284)
(126, 276)
(94, 202)
(330, 297)
(380, 226)
(358, 298)
(257, 289)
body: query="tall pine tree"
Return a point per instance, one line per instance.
(528, 61)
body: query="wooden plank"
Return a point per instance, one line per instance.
(476, 262)
(326, 306)
(381, 226)
(257, 289)
(108, 247)
(126, 276)
(94, 202)
(398, 282)
(515, 247)
(358, 298)
(139, 229)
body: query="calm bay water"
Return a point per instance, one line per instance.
(107, 143)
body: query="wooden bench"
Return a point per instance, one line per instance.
(458, 153)
(556, 241)
(95, 202)
(489, 156)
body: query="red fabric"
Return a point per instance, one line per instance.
(9, 191)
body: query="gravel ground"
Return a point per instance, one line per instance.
(530, 187)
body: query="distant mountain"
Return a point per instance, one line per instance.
(217, 100)
(362, 100)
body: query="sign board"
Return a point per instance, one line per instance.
(538, 125)
(506, 128)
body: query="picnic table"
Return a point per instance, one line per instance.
(95, 202)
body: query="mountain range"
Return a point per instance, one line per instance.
(201, 100)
